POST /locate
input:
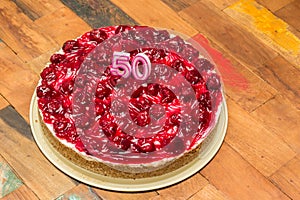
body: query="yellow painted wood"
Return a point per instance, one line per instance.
(255, 142)
(45, 180)
(155, 13)
(267, 27)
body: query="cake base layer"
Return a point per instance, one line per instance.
(103, 169)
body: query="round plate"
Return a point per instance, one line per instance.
(208, 150)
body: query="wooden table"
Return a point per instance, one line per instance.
(256, 46)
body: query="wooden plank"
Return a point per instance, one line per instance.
(3, 102)
(46, 181)
(99, 13)
(209, 192)
(271, 30)
(237, 179)
(241, 84)
(178, 5)
(62, 25)
(274, 5)
(284, 120)
(80, 192)
(105, 194)
(17, 82)
(265, 150)
(38, 64)
(290, 14)
(288, 178)
(284, 77)
(22, 193)
(10, 116)
(9, 182)
(157, 14)
(20, 34)
(227, 34)
(185, 189)
(222, 4)
(38, 8)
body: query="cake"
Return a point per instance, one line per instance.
(128, 101)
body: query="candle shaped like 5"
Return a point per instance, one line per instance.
(122, 67)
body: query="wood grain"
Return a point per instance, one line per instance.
(155, 13)
(209, 192)
(17, 82)
(222, 4)
(21, 153)
(3, 102)
(260, 158)
(22, 193)
(184, 190)
(241, 84)
(288, 178)
(259, 146)
(66, 23)
(241, 180)
(80, 192)
(284, 121)
(227, 34)
(282, 75)
(290, 13)
(38, 8)
(99, 13)
(104, 194)
(9, 182)
(20, 34)
(271, 30)
(274, 5)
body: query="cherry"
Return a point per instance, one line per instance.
(122, 28)
(67, 86)
(142, 119)
(193, 76)
(167, 96)
(69, 46)
(203, 64)
(57, 58)
(98, 35)
(213, 82)
(147, 147)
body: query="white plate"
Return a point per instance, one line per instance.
(209, 148)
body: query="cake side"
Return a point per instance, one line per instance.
(100, 168)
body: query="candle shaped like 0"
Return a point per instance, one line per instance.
(122, 67)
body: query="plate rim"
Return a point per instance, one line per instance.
(124, 184)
